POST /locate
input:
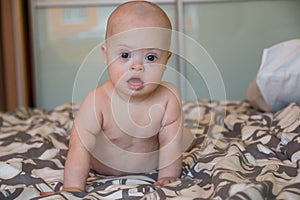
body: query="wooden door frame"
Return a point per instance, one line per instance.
(15, 68)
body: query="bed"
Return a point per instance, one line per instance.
(240, 153)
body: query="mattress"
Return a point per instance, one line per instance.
(239, 153)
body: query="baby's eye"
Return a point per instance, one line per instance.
(125, 55)
(151, 57)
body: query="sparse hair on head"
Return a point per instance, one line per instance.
(143, 10)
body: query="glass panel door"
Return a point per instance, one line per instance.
(234, 33)
(69, 63)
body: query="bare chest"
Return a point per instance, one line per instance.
(139, 122)
(133, 128)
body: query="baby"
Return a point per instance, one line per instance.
(133, 122)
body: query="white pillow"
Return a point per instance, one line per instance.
(277, 82)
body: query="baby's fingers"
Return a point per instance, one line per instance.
(165, 181)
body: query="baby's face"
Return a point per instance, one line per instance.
(137, 59)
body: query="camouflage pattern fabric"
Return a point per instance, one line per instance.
(240, 153)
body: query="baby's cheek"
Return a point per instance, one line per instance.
(155, 76)
(116, 75)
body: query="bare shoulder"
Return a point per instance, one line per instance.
(95, 100)
(169, 87)
(90, 115)
(99, 95)
(170, 91)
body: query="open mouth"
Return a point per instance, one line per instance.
(135, 83)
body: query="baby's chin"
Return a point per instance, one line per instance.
(145, 91)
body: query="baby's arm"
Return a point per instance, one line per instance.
(85, 126)
(77, 165)
(170, 140)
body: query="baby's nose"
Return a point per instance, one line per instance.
(137, 66)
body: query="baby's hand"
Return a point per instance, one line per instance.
(72, 190)
(165, 180)
(63, 190)
(46, 193)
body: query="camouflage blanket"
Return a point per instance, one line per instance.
(240, 153)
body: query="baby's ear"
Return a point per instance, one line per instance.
(104, 53)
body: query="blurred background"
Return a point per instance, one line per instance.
(50, 51)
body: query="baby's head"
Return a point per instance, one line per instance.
(136, 14)
(140, 24)
(136, 49)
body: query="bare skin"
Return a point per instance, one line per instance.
(168, 135)
(133, 122)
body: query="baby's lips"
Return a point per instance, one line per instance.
(135, 83)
